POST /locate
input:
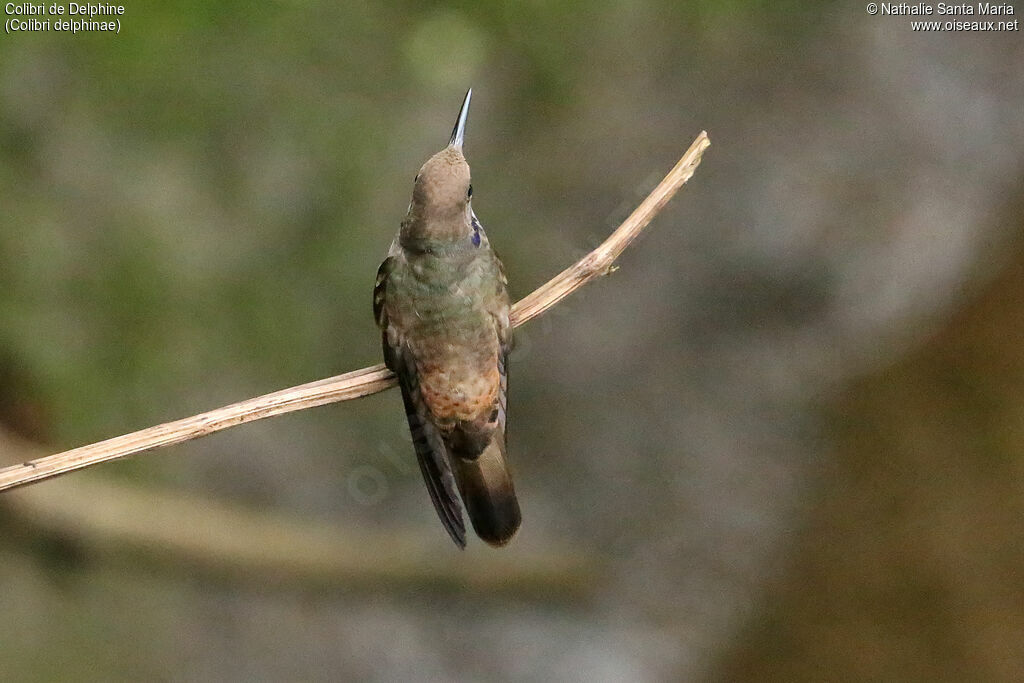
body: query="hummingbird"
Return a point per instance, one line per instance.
(442, 304)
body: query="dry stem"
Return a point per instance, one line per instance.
(181, 531)
(359, 382)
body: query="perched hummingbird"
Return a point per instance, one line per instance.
(441, 303)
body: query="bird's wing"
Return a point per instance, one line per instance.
(432, 456)
(503, 324)
(430, 448)
(380, 288)
(503, 393)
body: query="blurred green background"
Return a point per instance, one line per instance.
(782, 442)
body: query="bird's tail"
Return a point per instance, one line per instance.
(488, 494)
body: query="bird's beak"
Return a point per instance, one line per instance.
(459, 132)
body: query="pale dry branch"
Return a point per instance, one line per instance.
(359, 382)
(176, 531)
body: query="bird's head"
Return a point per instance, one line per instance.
(441, 195)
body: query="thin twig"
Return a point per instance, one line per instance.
(359, 382)
(179, 531)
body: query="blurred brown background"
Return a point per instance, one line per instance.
(782, 442)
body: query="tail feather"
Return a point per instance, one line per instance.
(488, 493)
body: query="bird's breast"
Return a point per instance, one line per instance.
(456, 355)
(446, 310)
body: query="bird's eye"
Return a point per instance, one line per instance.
(417, 178)
(469, 194)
